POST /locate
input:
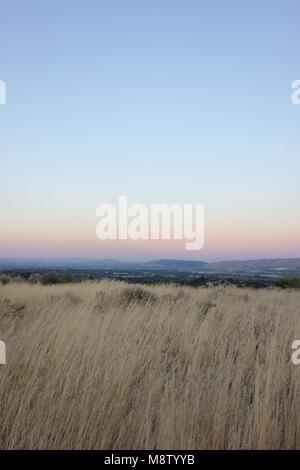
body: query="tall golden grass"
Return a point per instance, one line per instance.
(105, 365)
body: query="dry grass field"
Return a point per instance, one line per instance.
(104, 365)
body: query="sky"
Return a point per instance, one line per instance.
(164, 101)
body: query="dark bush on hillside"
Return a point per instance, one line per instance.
(289, 283)
(136, 295)
(48, 279)
(4, 279)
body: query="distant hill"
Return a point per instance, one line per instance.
(91, 264)
(63, 263)
(276, 263)
(82, 263)
(175, 264)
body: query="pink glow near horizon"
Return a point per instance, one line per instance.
(215, 247)
(225, 237)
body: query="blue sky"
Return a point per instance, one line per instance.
(164, 101)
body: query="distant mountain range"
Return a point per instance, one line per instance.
(276, 263)
(82, 263)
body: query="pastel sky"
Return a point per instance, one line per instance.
(163, 101)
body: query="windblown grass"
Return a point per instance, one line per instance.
(108, 366)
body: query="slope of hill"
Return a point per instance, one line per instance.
(272, 263)
(170, 264)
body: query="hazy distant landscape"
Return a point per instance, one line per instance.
(248, 273)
